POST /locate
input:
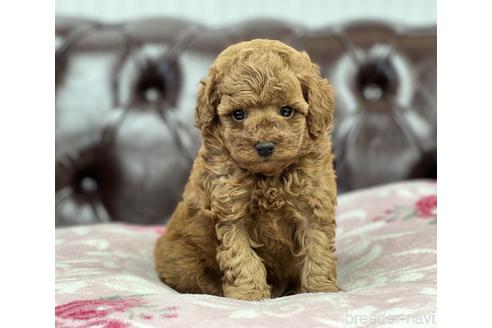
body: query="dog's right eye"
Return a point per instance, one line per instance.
(238, 115)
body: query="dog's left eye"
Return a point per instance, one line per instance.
(239, 115)
(286, 111)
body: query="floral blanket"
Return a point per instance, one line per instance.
(386, 247)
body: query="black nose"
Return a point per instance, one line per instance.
(265, 148)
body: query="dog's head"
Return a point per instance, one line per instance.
(266, 103)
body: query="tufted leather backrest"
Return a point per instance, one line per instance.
(125, 99)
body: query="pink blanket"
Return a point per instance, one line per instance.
(386, 247)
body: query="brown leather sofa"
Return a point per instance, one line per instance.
(125, 97)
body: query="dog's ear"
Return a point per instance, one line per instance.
(207, 101)
(319, 94)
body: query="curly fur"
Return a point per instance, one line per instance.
(248, 227)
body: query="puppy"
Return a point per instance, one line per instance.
(257, 217)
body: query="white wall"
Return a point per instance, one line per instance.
(311, 13)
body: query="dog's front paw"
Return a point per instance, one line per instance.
(247, 293)
(319, 285)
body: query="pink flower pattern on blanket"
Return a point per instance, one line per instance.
(94, 309)
(99, 312)
(386, 267)
(426, 206)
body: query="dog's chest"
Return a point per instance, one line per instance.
(267, 198)
(272, 224)
(275, 199)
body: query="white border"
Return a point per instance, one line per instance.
(464, 163)
(27, 163)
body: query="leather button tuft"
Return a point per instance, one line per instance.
(376, 80)
(88, 184)
(152, 95)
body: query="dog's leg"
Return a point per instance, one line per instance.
(244, 275)
(318, 273)
(180, 267)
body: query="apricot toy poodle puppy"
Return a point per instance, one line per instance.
(257, 217)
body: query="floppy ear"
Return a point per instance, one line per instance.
(207, 101)
(319, 94)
